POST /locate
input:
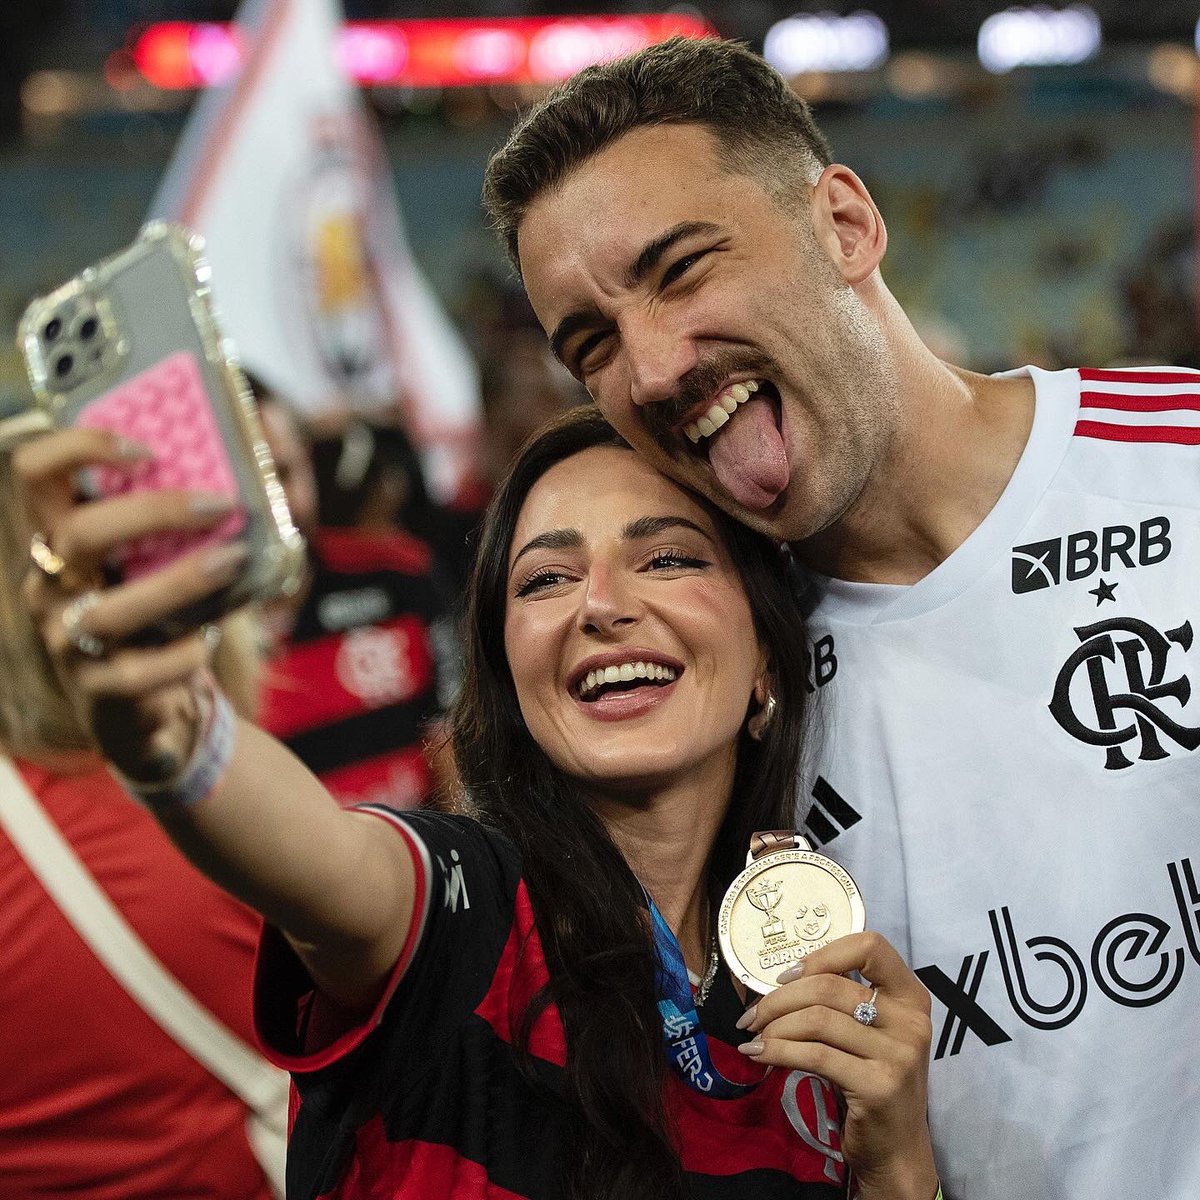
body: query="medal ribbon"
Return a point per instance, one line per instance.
(686, 1042)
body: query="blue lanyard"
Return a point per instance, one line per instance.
(686, 1042)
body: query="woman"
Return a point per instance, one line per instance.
(98, 1100)
(469, 1007)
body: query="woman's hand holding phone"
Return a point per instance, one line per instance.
(270, 833)
(137, 700)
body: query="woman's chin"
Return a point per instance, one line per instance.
(620, 769)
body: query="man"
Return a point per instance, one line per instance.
(1003, 574)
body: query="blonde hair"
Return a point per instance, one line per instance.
(37, 718)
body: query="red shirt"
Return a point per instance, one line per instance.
(95, 1099)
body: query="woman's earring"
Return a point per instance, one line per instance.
(757, 725)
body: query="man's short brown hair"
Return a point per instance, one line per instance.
(761, 126)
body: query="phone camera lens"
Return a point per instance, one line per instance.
(62, 366)
(53, 329)
(87, 329)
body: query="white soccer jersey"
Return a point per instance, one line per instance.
(1006, 761)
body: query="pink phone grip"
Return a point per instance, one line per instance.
(165, 409)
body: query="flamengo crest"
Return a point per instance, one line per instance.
(1123, 699)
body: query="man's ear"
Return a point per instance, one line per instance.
(847, 224)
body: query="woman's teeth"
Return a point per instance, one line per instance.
(625, 673)
(726, 405)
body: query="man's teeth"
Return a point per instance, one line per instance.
(726, 405)
(624, 673)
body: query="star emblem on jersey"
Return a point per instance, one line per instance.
(1113, 691)
(1104, 591)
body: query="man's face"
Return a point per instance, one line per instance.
(711, 328)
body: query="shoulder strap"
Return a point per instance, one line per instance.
(86, 905)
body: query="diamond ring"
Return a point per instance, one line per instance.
(866, 1012)
(87, 644)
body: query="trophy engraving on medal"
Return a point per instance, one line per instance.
(766, 895)
(823, 903)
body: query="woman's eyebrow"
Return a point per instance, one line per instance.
(642, 527)
(645, 527)
(552, 539)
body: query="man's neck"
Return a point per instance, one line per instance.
(959, 442)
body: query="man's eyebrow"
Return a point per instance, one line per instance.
(645, 262)
(552, 539)
(645, 527)
(648, 259)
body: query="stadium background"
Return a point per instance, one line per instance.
(1042, 214)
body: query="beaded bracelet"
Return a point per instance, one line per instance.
(213, 750)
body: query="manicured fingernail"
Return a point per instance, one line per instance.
(223, 563)
(747, 1018)
(793, 972)
(211, 504)
(752, 1048)
(133, 451)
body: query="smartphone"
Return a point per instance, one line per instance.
(133, 345)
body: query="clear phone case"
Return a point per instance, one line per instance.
(133, 345)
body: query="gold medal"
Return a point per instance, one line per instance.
(788, 902)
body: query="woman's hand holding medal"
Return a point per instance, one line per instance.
(879, 1061)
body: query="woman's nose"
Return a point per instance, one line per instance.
(608, 604)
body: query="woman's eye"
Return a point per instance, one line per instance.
(539, 581)
(669, 560)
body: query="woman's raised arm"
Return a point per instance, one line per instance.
(340, 885)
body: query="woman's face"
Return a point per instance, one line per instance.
(628, 633)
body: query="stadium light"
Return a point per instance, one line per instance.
(1038, 37)
(424, 53)
(811, 42)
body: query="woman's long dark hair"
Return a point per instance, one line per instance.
(589, 906)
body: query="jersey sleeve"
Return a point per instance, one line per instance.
(466, 884)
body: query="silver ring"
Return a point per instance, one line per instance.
(50, 564)
(866, 1012)
(87, 644)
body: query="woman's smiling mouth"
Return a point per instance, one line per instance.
(626, 677)
(613, 687)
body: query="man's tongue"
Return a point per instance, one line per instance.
(748, 458)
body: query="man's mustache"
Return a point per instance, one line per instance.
(700, 385)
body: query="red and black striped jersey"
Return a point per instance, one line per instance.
(427, 1100)
(352, 689)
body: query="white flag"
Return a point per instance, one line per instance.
(283, 172)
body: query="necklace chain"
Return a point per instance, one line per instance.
(709, 975)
